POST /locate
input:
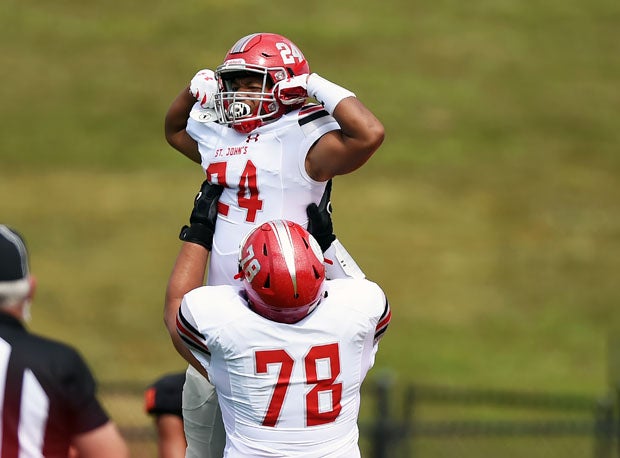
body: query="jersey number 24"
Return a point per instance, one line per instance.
(247, 196)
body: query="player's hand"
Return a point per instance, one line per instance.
(203, 217)
(291, 91)
(204, 87)
(320, 219)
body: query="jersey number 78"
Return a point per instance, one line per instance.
(314, 416)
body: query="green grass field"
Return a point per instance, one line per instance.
(491, 214)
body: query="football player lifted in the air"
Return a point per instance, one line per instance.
(271, 155)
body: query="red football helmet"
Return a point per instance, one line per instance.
(282, 269)
(271, 56)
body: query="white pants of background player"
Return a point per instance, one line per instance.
(202, 417)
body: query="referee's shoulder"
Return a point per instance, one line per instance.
(47, 347)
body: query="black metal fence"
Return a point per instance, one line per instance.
(415, 421)
(436, 422)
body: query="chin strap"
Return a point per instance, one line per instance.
(342, 265)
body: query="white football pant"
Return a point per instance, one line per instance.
(202, 418)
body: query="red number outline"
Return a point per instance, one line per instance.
(314, 417)
(248, 194)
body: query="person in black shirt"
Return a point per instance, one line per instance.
(162, 401)
(48, 404)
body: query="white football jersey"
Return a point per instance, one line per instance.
(264, 178)
(287, 389)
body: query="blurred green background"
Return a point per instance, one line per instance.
(491, 214)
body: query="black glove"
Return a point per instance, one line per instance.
(203, 217)
(320, 219)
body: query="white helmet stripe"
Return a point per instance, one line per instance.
(285, 241)
(19, 246)
(242, 43)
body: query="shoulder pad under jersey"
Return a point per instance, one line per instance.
(311, 112)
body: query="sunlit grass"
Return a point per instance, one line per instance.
(491, 215)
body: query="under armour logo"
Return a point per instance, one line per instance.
(252, 137)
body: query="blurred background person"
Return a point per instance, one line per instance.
(48, 405)
(162, 401)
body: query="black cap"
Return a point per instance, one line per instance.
(165, 395)
(13, 255)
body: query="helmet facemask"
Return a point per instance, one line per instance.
(232, 107)
(270, 56)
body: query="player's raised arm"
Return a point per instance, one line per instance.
(190, 267)
(340, 151)
(360, 134)
(201, 89)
